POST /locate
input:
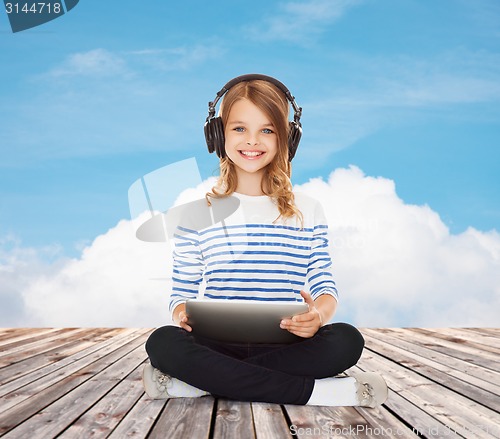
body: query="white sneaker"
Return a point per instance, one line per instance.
(161, 386)
(371, 389)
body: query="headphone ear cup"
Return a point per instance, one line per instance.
(294, 135)
(209, 138)
(214, 136)
(218, 136)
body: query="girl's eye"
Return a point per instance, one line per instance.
(267, 131)
(239, 129)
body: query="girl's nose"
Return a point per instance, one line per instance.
(252, 139)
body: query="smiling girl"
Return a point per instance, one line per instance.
(283, 257)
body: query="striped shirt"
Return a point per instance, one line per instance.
(251, 256)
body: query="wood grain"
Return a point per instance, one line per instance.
(86, 382)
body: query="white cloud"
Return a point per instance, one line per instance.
(458, 76)
(19, 266)
(300, 21)
(176, 58)
(101, 63)
(110, 102)
(97, 62)
(396, 265)
(117, 281)
(399, 91)
(485, 15)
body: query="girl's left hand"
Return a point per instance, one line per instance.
(307, 324)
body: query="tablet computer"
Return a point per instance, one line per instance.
(243, 321)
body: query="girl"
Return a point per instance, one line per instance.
(283, 249)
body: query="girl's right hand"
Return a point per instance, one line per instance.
(183, 321)
(181, 318)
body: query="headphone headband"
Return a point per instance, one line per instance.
(214, 131)
(252, 77)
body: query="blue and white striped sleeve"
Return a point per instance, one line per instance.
(319, 270)
(188, 267)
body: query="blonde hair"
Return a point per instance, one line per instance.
(276, 182)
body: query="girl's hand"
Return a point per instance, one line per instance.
(183, 321)
(306, 324)
(181, 318)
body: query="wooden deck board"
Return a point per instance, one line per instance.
(86, 382)
(442, 403)
(234, 419)
(449, 374)
(269, 422)
(184, 418)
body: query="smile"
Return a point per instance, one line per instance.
(252, 154)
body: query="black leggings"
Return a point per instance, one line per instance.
(281, 374)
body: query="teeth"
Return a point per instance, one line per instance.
(251, 153)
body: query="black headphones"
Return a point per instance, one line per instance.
(214, 130)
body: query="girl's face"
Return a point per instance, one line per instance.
(251, 141)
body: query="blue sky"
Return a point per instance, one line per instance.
(408, 91)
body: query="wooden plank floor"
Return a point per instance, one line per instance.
(86, 383)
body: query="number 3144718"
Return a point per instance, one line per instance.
(33, 8)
